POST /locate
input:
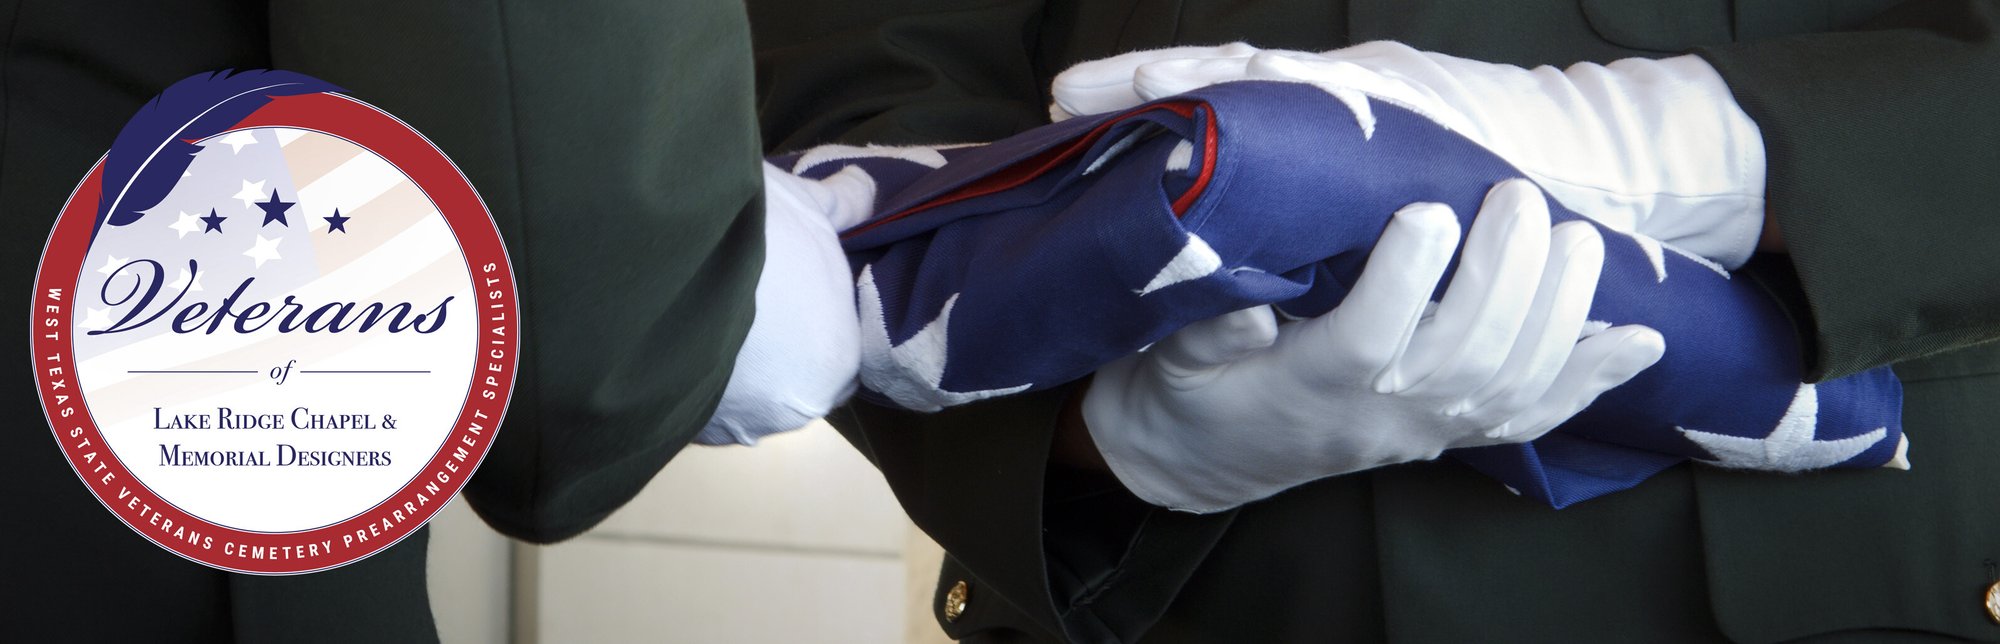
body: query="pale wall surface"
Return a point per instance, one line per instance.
(797, 539)
(470, 577)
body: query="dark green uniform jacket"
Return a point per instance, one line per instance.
(613, 141)
(1882, 124)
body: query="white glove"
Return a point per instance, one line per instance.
(804, 347)
(1657, 147)
(1235, 409)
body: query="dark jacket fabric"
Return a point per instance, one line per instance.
(614, 143)
(1881, 120)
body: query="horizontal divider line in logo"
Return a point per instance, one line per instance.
(300, 371)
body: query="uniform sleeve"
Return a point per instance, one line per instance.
(615, 143)
(1055, 553)
(1883, 148)
(898, 72)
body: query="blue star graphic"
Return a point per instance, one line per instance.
(274, 210)
(213, 221)
(336, 222)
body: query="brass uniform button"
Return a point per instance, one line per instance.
(954, 601)
(1993, 602)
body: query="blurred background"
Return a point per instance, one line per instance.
(797, 539)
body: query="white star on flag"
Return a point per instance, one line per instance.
(265, 250)
(1656, 253)
(927, 155)
(111, 264)
(185, 224)
(1195, 261)
(1791, 446)
(236, 140)
(910, 373)
(95, 319)
(250, 194)
(183, 280)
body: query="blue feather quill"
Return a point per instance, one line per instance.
(149, 155)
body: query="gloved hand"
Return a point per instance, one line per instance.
(1238, 408)
(804, 347)
(1657, 147)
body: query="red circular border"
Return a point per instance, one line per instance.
(496, 311)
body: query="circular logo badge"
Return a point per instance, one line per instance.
(274, 329)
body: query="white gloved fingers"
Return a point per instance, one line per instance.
(788, 193)
(1468, 338)
(1214, 342)
(1400, 61)
(1352, 83)
(1340, 77)
(1287, 65)
(1548, 337)
(1105, 85)
(1627, 143)
(848, 197)
(1598, 363)
(1161, 79)
(1379, 51)
(1373, 325)
(842, 200)
(1651, 146)
(799, 228)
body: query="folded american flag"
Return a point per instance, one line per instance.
(1030, 262)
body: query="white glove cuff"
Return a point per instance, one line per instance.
(804, 347)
